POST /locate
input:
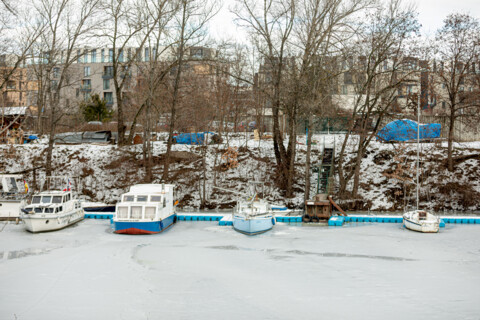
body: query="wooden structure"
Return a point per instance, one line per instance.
(321, 207)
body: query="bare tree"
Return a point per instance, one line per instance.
(376, 68)
(191, 20)
(270, 24)
(68, 23)
(457, 46)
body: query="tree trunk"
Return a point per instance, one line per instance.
(307, 160)
(450, 142)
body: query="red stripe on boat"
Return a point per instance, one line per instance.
(134, 231)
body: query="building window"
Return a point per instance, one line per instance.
(110, 55)
(108, 71)
(108, 97)
(120, 56)
(443, 104)
(85, 56)
(79, 56)
(102, 55)
(56, 72)
(86, 84)
(86, 96)
(94, 55)
(86, 71)
(344, 90)
(77, 93)
(106, 84)
(147, 55)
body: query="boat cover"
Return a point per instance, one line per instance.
(191, 138)
(406, 129)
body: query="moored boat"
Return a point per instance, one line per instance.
(253, 217)
(52, 210)
(145, 209)
(421, 221)
(13, 192)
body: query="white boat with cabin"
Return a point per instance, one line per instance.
(13, 193)
(421, 221)
(52, 210)
(145, 209)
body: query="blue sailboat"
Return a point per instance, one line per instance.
(253, 217)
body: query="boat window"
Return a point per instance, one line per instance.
(155, 198)
(46, 199)
(149, 212)
(68, 197)
(128, 198)
(164, 202)
(60, 208)
(122, 212)
(57, 199)
(36, 199)
(48, 210)
(136, 213)
(38, 210)
(141, 198)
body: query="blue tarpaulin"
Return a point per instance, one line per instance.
(405, 129)
(190, 138)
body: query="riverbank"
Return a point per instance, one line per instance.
(106, 171)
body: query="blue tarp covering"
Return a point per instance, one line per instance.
(190, 138)
(403, 130)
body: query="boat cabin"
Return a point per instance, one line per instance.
(51, 202)
(146, 202)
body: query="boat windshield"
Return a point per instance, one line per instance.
(142, 198)
(155, 198)
(46, 199)
(49, 210)
(36, 199)
(128, 198)
(57, 199)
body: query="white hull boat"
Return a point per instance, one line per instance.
(12, 196)
(421, 221)
(52, 210)
(253, 217)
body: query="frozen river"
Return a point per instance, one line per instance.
(199, 270)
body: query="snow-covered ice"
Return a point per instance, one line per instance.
(199, 270)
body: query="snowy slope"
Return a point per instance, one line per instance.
(107, 171)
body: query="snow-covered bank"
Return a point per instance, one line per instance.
(107, 171)
(204, 271)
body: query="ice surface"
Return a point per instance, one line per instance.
(199, 270)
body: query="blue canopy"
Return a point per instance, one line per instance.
(405, 129)
(191, 138)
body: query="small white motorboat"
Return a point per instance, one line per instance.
(13, 192)
(253, 217)
(421, 221)
(52, 210)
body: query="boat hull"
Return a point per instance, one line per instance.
(10, 209)
(254, 225)
(430, 225)
(144, 227)
(47, 223)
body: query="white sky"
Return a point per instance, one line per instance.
(431, 16)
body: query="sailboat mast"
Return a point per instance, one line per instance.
(418, 139)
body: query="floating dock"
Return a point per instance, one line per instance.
(226, 219)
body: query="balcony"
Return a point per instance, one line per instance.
(86, 88)
(107, 75)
